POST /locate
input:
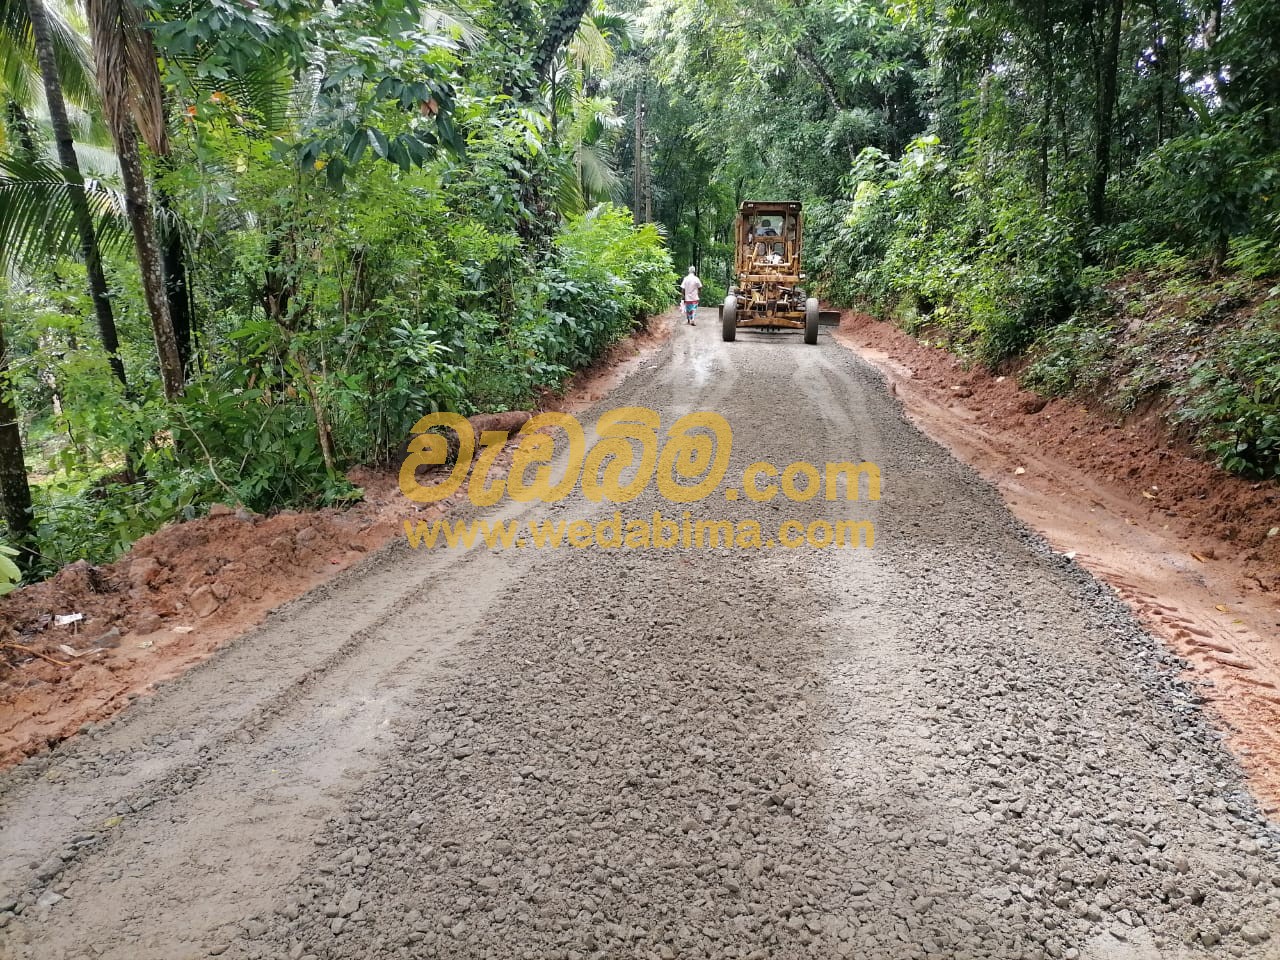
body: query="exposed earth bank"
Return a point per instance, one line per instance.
(955, 744)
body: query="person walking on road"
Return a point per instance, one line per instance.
(691, 286)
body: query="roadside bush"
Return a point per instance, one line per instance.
(1231, 401)
(1073, 356)
(258, 442)
(97, 520)
(1208, 188)
(607, 237)
(988, 265)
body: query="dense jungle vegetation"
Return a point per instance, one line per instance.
(247, 243)
(1088, 192)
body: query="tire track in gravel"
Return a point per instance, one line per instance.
(953, 745)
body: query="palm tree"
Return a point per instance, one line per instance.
(125, 59)
(42, 36)
(583, 121)
(20, 69)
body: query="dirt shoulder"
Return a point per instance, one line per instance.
(81, 646)
(1184, 543)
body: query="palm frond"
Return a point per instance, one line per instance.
(19, 80)
(125, 59)
(450, 19)
(597, 174)
(18, 71)
(566, 188)
(616, 27)
(589, 49)
(98, 162)
(37, 214)
(265, 93)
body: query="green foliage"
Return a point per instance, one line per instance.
(386, 211)
(36, 214)
(606, 274)
(1072, 357)
(259, 445)
(1231, 401)
(10, 575)
(97, 519)
(607, 238)
(994, 273)
(1212, 185)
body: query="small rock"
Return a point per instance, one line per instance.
(148, 622)
(49, 869)
(1254, 933)
(144, 570)
(349, 903)
(109, 639)
(203, 602)
(254, 929)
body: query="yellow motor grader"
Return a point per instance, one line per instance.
(769, 294)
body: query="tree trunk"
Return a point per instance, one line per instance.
(15, 494)
(177, 287)
(637, 160)
(1046, 106)
(560, 28)
(20, 129)
(89, 249)
(1108, 78)
(115, 52)
(142, 222)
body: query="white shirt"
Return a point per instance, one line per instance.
(691, 286)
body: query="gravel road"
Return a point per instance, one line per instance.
(953, 745)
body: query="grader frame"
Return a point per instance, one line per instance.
(769, 293)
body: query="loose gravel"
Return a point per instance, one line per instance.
(953, 745)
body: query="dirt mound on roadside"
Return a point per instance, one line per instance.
(80, 644)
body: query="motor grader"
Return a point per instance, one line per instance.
(769, 293)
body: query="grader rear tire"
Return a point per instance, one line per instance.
(811, 321)
(729, 319)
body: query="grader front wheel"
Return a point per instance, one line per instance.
(729, 321)
(811, 320)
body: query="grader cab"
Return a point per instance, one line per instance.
(769, 294)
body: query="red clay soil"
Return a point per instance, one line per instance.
(1194, 551)
(185, 590)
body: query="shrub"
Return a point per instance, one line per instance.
(608, 237)
(1231, 400)
(1073, 356)
(10, 575)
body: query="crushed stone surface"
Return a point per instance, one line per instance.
(953, 745)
